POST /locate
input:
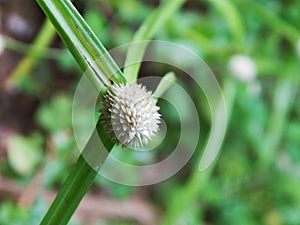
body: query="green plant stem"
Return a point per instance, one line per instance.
(198, 180)
(44, 38)
(24, 48)
(74, 188)
(77, 183)
(81, 41)
(145, 32)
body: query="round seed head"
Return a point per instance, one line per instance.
(130, 114)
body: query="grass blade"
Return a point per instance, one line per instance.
(44, 38)
(166, 81)
(145, 32)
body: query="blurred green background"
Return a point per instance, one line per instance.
(253, 48)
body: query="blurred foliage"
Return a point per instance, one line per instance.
(24, 153)
(240, 190)
(11, 214)
(56, 115)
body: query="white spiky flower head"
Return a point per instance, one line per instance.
(130, 114)
(242, 67)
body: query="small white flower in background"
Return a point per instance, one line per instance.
(2, 44)
(298, 48)
(242, 67)
(130, 114)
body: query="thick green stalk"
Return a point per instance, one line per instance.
(74, 188)
(82, 42)
(78, 182)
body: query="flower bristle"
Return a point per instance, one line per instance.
(130, 114)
